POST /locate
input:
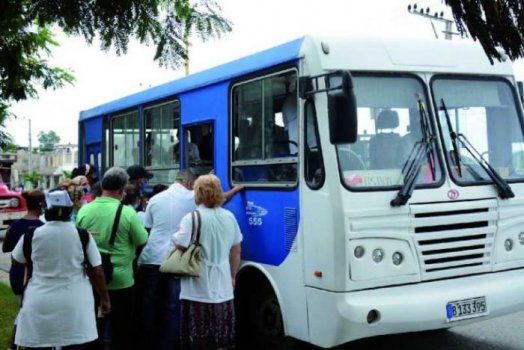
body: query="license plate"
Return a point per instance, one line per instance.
(467, 308)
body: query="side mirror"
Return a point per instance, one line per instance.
(342, 110)
(520, 88)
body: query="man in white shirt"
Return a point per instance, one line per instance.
(158, 304)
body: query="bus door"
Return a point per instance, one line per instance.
(264, 159)
(91, 138)
(94, 155)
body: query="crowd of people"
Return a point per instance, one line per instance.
(87, 273)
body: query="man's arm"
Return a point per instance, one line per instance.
(229, 194)
(137, 231)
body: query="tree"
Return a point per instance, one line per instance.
(7, 144)
(494, 23)
(48, 140)
(33, 177)
(26, 38)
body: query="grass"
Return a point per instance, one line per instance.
(8, 311)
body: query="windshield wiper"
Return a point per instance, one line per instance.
(453, 136)
(503, 188)
(421, 149)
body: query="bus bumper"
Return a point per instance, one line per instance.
(337, 318)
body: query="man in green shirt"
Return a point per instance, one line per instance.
(98, 217)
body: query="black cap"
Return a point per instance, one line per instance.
(137, 172)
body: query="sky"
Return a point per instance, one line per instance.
(257, 25)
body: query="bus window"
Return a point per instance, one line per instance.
(265, 135)
(124, 134)
(162, 125)
(199, 148)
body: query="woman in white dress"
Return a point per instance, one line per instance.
(207, 307)
(58, 305)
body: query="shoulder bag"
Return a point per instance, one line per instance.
(187, 262)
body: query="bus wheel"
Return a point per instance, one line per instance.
(267, 316)
(259, 318)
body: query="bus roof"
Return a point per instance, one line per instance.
(261, 60)
(356, 54)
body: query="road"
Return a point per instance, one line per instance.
(504, 333)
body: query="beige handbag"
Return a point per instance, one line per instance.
(187, 262)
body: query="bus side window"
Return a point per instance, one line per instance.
(265, 122)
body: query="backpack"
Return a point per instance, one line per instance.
(28, 248)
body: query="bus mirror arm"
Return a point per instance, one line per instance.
(342, 105)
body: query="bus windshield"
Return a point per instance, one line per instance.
(484, 112)
(392, 110)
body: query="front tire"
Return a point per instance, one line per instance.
(259, 318)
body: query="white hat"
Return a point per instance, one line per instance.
(58, 198)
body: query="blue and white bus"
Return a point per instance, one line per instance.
(384, 180)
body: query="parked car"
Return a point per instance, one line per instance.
(12, 206)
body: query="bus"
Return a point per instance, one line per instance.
(384, 180)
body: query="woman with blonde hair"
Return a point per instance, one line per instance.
(207, 309)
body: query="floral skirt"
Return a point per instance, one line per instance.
(205, 325)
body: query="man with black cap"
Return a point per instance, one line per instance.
(138, 176)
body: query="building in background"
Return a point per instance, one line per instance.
(51, 166)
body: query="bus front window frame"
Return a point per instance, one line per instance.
(476, 176)
(392, 114)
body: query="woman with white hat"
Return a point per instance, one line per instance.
(58, 306)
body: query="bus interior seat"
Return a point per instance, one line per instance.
(383, 146)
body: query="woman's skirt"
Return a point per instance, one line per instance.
(56, 313)
(205, 325)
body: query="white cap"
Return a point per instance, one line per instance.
(59, 198)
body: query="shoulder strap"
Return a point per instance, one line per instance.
(84, 239)
(27, 249)
(199, 225)
(115, 225)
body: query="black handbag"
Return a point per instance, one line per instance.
(107, 265)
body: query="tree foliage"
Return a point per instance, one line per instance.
(26, 37)
(32, 177)
(48, 141)
(493, 23)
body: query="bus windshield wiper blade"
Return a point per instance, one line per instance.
(411, 170)
(412, 166)
(453, 136)
(503, 188)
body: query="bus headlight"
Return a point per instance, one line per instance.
(508, 244)
(359, 252)
(378, 255)
(372, 265)
(397, 258)
(14, 202)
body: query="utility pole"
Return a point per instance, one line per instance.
(30, 164)
(420, 11)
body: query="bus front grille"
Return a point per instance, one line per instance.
(455, 238)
